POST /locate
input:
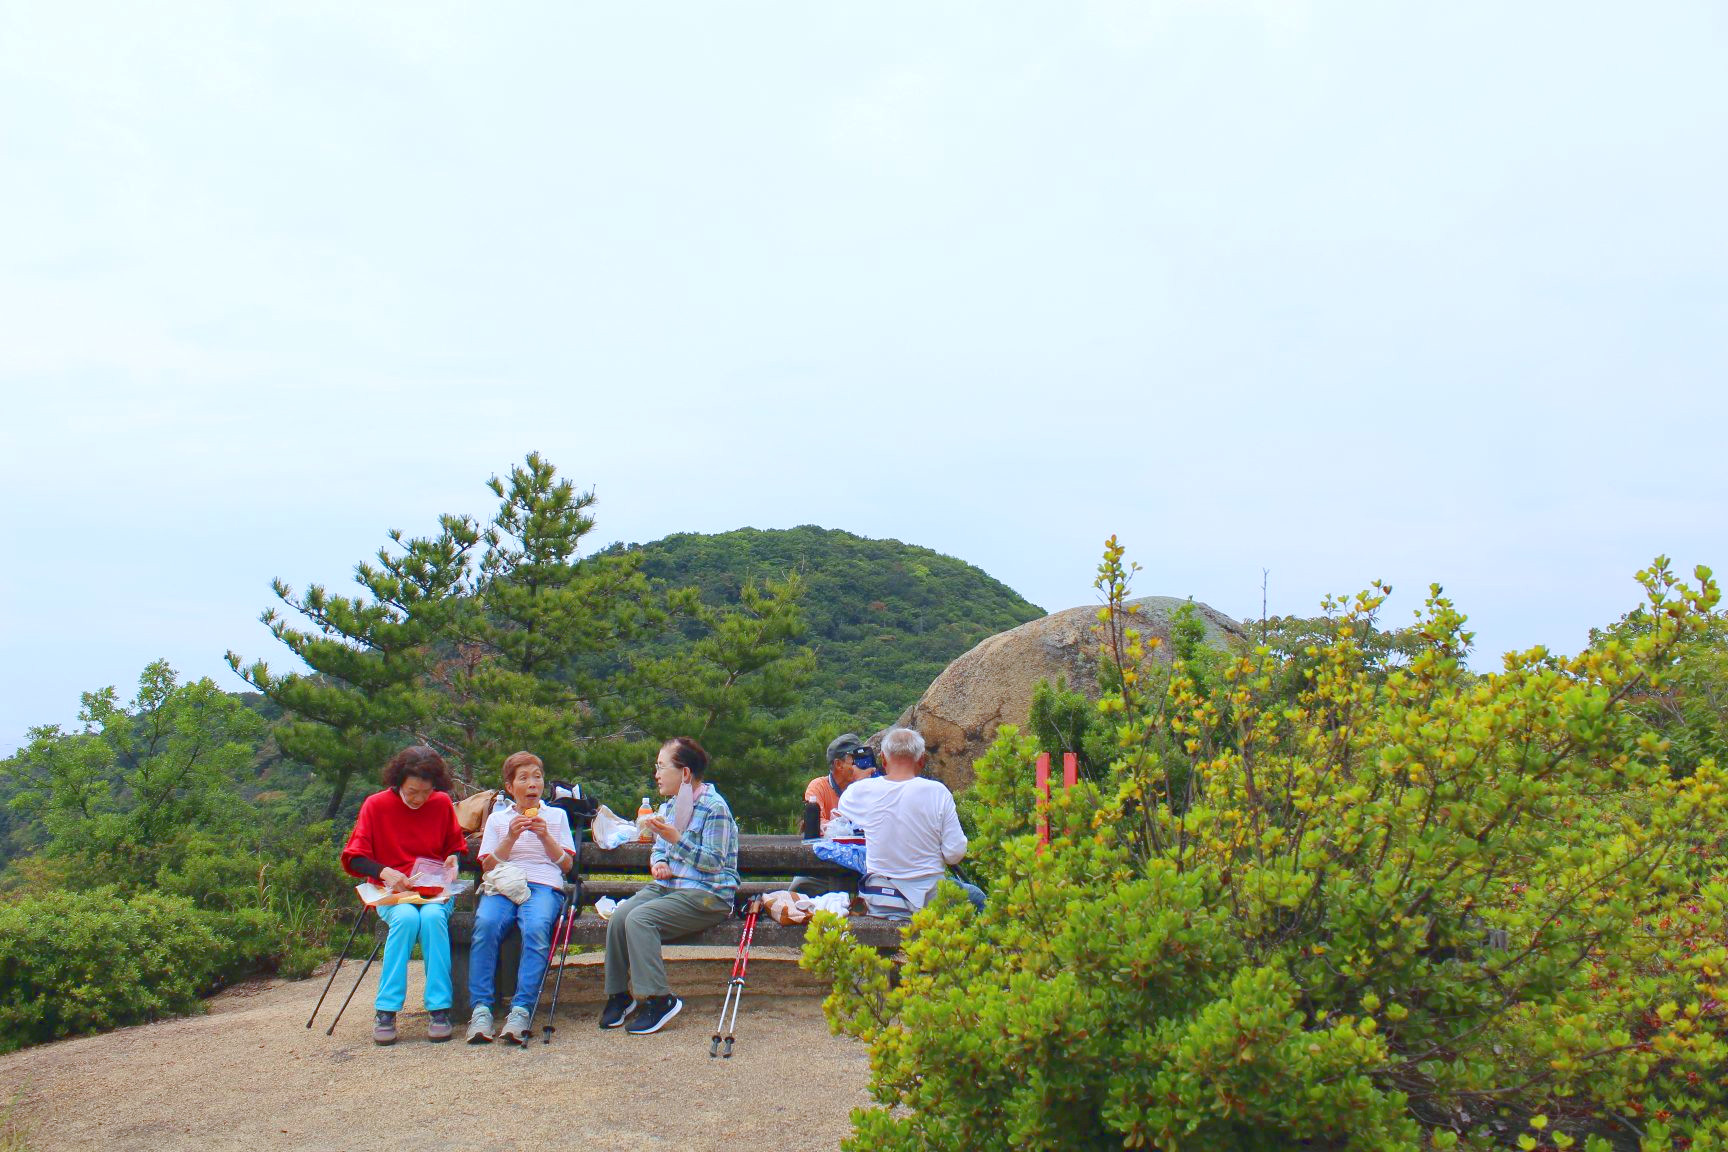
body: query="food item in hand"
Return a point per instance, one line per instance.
(531, 811)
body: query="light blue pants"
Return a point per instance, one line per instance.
(430, 925)
(534, 918)
(973, 892)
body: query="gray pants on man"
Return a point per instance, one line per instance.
(642, 923)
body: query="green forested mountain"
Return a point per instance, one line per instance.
(884, 617)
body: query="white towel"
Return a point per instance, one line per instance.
(508, 881)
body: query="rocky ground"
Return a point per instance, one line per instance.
(250, 1075)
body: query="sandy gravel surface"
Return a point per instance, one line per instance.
(249, 1075)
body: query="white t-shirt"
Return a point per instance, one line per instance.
(528, 853)
(911, 831)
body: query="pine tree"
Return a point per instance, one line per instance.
(370, 656)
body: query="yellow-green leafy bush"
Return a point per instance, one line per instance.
(1351, 908)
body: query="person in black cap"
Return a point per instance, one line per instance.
(822, 795)
(849, 760)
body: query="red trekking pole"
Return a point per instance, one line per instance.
(735, 988)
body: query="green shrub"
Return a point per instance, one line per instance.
(84, 962)
(1368, 910)
(271, 901)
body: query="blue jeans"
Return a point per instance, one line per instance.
(973, 892)
(493, 920)
(430, 925)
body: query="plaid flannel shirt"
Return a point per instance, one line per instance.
(706, 855)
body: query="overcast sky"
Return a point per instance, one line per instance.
(1418, 292)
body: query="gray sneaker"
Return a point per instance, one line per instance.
(438, 1027)
(480, 1025)
(384, 1028)
(515, 1027)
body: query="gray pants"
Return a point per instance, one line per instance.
(638, 927)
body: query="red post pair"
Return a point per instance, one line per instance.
(1070, 776)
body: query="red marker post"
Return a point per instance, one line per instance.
(1043, 782)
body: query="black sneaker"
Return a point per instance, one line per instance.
(618, 1009)
(654, 1013)
(384, 1028)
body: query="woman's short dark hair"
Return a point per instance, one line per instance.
(686, 753)
(417, 760)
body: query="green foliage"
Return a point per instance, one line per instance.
(1391, 907)
(885, 618)
(481, 642)
(1062, 720)
(1689, 706)
(539, 648)
(732, 682)
(75, 962)
(153, 880)
(136, 775)
(370, 656)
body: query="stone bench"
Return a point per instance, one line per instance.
(769, 863)
(779, 857)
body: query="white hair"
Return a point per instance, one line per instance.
(902, 744)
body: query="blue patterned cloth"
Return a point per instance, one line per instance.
(846, 855)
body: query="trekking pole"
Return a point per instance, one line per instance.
(573, 902)
(365, 968)
(352, 932)
(551, 946)
(563, 958)
(735, 987)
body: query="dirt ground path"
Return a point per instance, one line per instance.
(250, 1075)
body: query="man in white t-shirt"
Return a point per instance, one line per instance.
(536, 838)
(911, 831)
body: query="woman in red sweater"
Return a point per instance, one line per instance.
(412, 817)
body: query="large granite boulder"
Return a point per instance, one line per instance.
(992, 684)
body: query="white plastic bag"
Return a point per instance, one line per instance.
(507, 880)
(435, 879)
(840, 828)
(610, 831)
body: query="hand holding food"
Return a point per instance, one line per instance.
(663, 828)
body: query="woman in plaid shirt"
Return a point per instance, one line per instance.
(695, 868)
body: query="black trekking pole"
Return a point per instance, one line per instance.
(563, 959)
(365, 968)
(551, 946)
(573, 902)
(352, 932)
(735, 987)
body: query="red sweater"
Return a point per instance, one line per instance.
(393, 834)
